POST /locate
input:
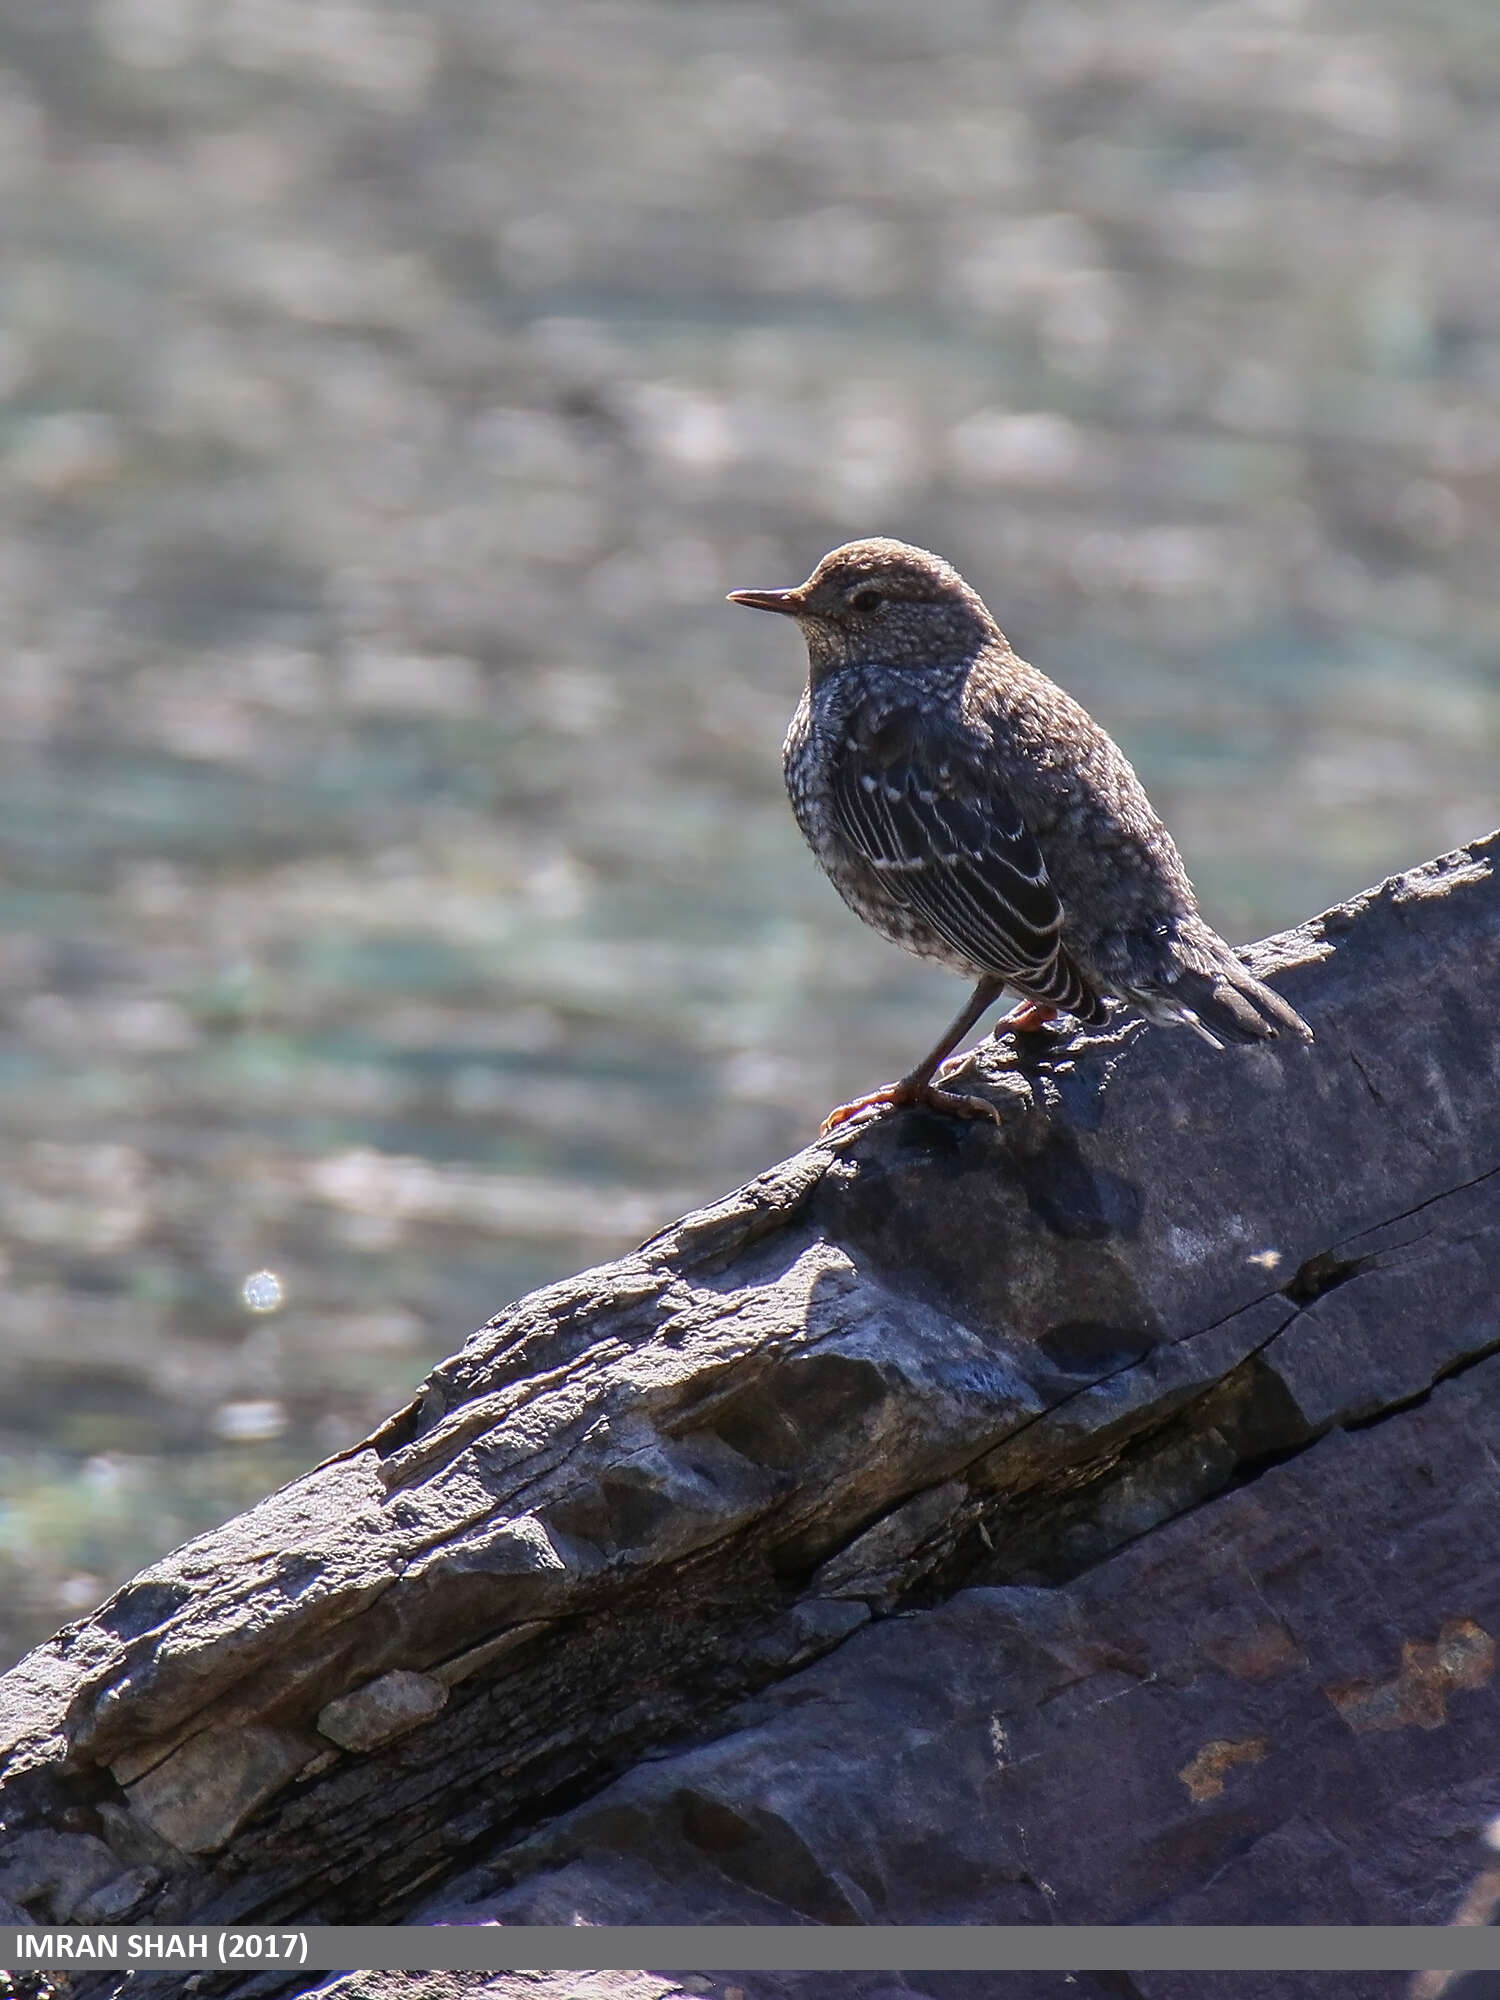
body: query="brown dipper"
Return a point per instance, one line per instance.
(968, 809)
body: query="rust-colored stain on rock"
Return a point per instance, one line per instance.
(1204, 1774)
(1417, 1697)
(1255, 1653)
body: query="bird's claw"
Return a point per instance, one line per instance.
(845, 1114)
(1027, 1019)
(910, 1096)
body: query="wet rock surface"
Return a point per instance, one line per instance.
(1087, 1520)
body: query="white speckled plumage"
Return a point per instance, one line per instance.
(971, 811)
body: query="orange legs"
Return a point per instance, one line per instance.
(917, 1088)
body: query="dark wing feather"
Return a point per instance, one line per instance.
(947, 843)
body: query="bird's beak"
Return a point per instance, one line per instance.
(789, 601)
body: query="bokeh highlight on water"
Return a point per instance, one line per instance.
(400, 908)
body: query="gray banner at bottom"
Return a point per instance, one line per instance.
(733, 1948)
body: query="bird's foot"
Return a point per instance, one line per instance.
(1023, 1020)
(906, 1096)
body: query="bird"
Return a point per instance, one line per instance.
(970, 810)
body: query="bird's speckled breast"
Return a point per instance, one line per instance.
(806, 757)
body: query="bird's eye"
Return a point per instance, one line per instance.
(865, 600)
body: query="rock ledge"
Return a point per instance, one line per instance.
(1088, 1520)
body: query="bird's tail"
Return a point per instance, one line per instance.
(1223, 1002)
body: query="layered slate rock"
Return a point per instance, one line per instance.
(1250, 1715)
(1069, 1521)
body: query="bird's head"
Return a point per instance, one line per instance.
(881, 600)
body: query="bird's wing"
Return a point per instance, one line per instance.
(946, 841)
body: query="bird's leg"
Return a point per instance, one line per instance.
(1024, 1020)
(1027, 1019)
(916, 1087)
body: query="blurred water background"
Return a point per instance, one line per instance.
(398, 903)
